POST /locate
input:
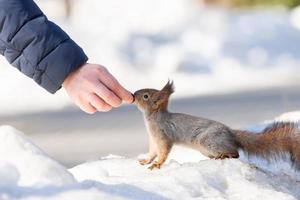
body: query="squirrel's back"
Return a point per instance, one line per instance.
(186, 128)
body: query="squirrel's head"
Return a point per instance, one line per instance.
(151, 100)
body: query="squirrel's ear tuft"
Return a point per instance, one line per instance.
(169, 87)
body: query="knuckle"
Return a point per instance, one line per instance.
(118, 102)
(115, 86)
(100, 106)
(109, 96)
(101, 69)
(112, 100)
(88, 81)
(81, 99)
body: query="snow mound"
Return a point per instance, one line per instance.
(207, 179)
(27, 173)
(24, 163)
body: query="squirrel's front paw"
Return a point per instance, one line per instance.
(155, 165)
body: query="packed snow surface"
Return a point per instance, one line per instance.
(26, 172)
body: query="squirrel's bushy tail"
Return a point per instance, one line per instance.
(274, 141)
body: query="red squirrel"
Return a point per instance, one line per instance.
(213, 139)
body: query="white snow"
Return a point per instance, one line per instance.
(143, 43)
(27, 165)
(26, 172)
(207, 179)
(289, 117)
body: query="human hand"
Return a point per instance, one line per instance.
(92, 88)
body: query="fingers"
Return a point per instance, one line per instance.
(93, 88)
(88, 108)
(107, 79)
(91, 103)
(98, 103)
(84, 105)
(107, 95)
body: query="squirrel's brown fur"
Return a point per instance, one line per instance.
(276, 140)
(211, 138)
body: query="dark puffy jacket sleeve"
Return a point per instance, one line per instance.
(35, 45)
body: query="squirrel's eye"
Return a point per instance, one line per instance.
(146, 96)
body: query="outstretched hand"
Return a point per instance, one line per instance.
(93, 88)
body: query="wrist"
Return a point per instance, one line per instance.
(70, 75)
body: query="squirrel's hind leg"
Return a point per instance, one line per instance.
(148, 160)
(227, 155)
(219, 145)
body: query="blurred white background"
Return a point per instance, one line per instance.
(204, 49)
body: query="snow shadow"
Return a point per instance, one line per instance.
(119, 190)
(124, 190)
(278, 182)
